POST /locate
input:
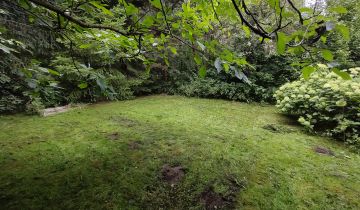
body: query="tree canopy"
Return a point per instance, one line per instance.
(141, 28)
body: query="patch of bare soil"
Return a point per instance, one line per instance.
(226, 200)
(134, 145)
(124, 121)
(172, 175)
(290, 121)
(277, 128)
(212, 200)
(323, 150)
(113, 136)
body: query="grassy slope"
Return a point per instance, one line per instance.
(67, 161)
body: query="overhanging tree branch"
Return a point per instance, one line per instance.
(244, 21)
(165, 18)
(301, 19)
(73, 19)
(248, 12)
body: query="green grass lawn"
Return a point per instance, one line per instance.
(111, 155)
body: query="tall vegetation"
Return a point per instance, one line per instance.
(63, 51)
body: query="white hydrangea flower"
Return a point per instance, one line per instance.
(354, 71)
(327, 85)
(302, 88)
(335, 87)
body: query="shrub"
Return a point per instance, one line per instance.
(35, 87)
(81, 83)
(212, 88)
(10, 103)
(10, 91)
(34, 106)
(325, 103)
(264, 80)
(268, 75)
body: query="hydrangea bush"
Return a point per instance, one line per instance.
(325, 103)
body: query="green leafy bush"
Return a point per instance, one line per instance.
(260, 85)
(10, 91)
(83, 83)
(325, 103)
(213, 88)
(182, 78)
(34, 106)
(10, 103)
(65, 81)
(260, 88)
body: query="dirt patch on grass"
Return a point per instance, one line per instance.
(134, 145)
(323, 150)
(113, 136)
(212, 200)
(172, 175)
(221, 195)
(124, 121)
(277, 128)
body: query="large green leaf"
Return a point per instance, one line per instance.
(226, 67)
(247, 31)
(340, 10)
(173, 50)
(342, 74)
(327, 55)
(344, 30)
(175, 25)
(101, 7)
(273, 3)
(197, 59)
(156, 3)
(53, 72)
(83, 85)
(202, 71)
(281, 42)
(131, 9)
(148, 21)
(307, 71)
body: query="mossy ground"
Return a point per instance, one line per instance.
(109, 156)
